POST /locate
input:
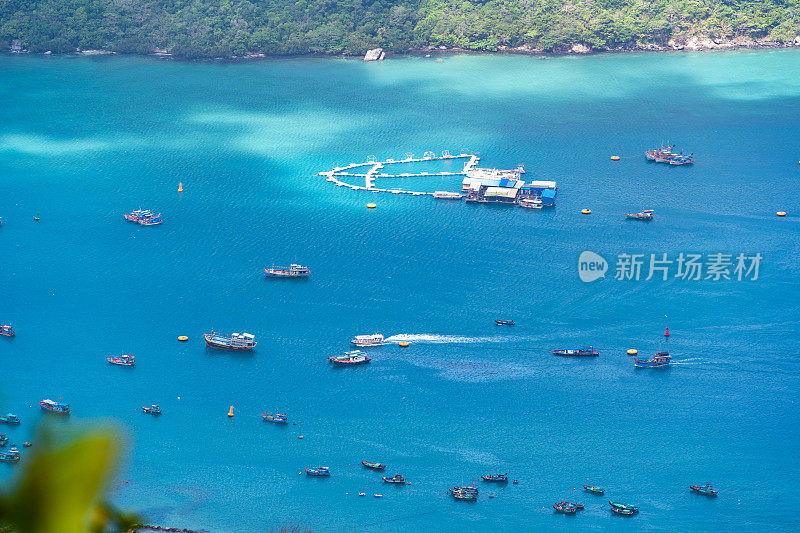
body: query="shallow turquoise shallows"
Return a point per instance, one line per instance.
(83, 140)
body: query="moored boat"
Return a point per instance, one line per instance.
(594, 490)
(292, 271)
(235, 342)
(590, 351)
(706, 489)
(151, 410)
(11, 456)
(622, 511)
(496, 478)
(501, 322)
(9, 419)
(7, 330)
(666, 155)
(144, 217)
(662, 358)
(275, 418)
(3, 439)
(322, 471)
(617, 505)
(531, 203)
(567, 507)
(51, 406)
(367, 340)
(647, 214)
(356, 357)
(464, 494)
(397, 478)
(122, 360)
(447, 195)
(373, 466)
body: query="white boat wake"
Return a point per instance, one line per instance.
(432, 338)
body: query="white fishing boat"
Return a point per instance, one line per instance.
(531, 203)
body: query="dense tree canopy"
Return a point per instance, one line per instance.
(225, 28)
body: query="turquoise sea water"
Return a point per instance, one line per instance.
(83, 140)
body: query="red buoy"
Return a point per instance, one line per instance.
(666, 333)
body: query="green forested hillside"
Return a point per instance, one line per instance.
(225, 28)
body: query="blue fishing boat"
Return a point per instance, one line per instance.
(594, 490)
(235, 342)
(151, 410)
(623, 511)
(58, 408)
(373, 466)
(11, 456)
(496, 478)
(616, 505)
(565, 508)
(590, 351)
(9, 419)
(322, 471)
(276, 418)
(662, 358)
(706, 490)
(397, 478)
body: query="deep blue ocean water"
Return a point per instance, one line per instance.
(83, 140)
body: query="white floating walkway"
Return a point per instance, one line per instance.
(375, 166)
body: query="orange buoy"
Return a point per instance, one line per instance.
(615, 158)
(372, 206)
(781, 213)
(180, 186)
(404, 344)
(666, 333)
(183, 338)
(230, 413)
(586, 211)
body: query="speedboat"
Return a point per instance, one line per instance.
(367, 340)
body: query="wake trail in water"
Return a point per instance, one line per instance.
(432, 338)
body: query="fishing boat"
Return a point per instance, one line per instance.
(707, 490)
(235, 342)
(464, 495)
(9, 419)
(356, 357)
(659, 154)
(144, 217)
(373, 466)
(496, 478)
(468, 489)
(275, 418)
(567, 507)
(447, 195)
(681, 159)
(11, 456)
(322, 471)
(397, 478)
(500, 322)
(531, 203)
(292, 271)
(122, 360)
(3, 440)
(617, 505)
(594, 490)
(576, 351)
(662, 358)
(7, 330)
(54, 407)
(152, 410)
(368, 340)
(646, 215)
(623, 512)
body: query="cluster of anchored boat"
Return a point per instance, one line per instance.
(662, 358)
(666, 155)
(13, 455)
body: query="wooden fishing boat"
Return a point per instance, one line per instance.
(373, 466)
(706, 490)
(397, 478)
(294, 271)
(122, 360)
(617, 505)
(501, 322)
(464, 495)
(590, 351)
(11, 456)
(594, 490)
(7, 331)
(152, 410)
(565, 507)
(356, 357)
(58, 408)
(660, 359)
(623, 512)
(9, 419)
(275, 418)
(647, 214)
(235, 342)
(322, 471)
(496, 478)
(3, 439)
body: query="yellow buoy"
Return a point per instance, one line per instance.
(372, 206)
(183, 338)
(615, 158)
(404, 344)
(180, 186)
(230, 413)
(586, 211)
(632, 351)
(781, 213)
